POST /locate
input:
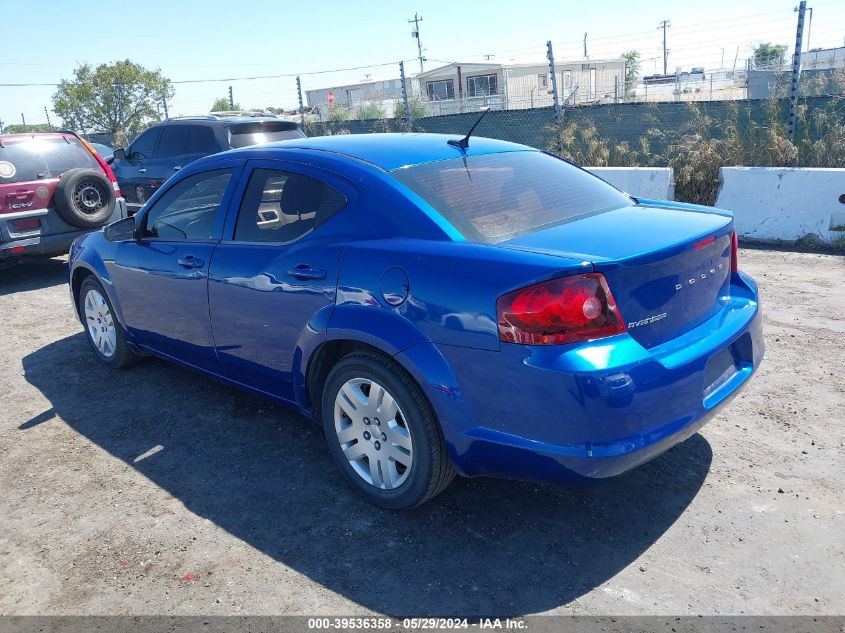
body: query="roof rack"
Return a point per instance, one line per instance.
(223, 114)
(204, 117)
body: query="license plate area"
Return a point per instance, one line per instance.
(727, 369)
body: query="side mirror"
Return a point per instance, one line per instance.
(119, 154)
(121, 231)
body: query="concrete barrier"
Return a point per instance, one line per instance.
(646, 182)
(783, 203)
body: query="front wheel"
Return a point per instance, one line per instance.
(101, 328)
(382, 432)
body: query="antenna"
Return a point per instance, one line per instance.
(463, 144)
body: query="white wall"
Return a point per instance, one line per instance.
(782, 203)
(644, 182)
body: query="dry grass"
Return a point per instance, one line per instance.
(698, 148)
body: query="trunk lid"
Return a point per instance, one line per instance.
(666, 267)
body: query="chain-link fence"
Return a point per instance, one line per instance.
(695, 138)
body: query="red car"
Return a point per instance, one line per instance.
(53, 187)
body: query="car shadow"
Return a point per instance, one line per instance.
(33, 275)
(262, 474)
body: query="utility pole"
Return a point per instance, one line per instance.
(416, 34)
(663, 25)
(231, 99)
(23, 120)
(164, 103)
(551, 57)
(796, 68)
(301, 107)
(406, 108)
(1, 126)
(50, 125)
(585, 45)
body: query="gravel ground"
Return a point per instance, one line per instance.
(158, 491)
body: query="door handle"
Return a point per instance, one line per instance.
(304, 271)
(189, 261)
(142, 170)
(177, 168)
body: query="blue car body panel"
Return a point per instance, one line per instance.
(400, 278)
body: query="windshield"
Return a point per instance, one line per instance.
(496, 197)
(258, 132)
(40, 158)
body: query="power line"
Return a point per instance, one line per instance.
(251, 78)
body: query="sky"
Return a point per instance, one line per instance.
(213, 40)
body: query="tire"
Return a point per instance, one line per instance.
(85, 198)
(97, 315)
(411, 434)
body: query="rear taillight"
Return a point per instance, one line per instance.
(734, 254)
(564, 310)
(106, 168)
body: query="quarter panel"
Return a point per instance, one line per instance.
(452, 286)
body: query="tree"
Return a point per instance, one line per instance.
(115, 98)
(221, 104)
(768, 55)
(17, 128)
(632, 69)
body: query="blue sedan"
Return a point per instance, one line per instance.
(474, 307)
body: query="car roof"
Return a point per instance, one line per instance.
(395, 151)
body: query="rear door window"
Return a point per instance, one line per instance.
(280, 206)
(257, 132)
(174, 141)
(40, 158)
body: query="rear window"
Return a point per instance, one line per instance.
(40, 158)
(496, 197)
(255, 133)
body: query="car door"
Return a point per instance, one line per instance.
(169, 155)
(273, 281)
(132, 170)
(161, 279)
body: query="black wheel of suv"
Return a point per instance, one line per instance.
(102, 330)
(382, 433)
(85, 198)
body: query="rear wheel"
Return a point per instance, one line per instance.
(102, 330)
(382, 432)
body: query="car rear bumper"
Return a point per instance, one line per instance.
(53, 237)
(596, 410)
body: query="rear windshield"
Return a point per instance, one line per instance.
(255, 133)
(496, 197)
(40, 158)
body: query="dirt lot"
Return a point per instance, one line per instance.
(155, 490)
